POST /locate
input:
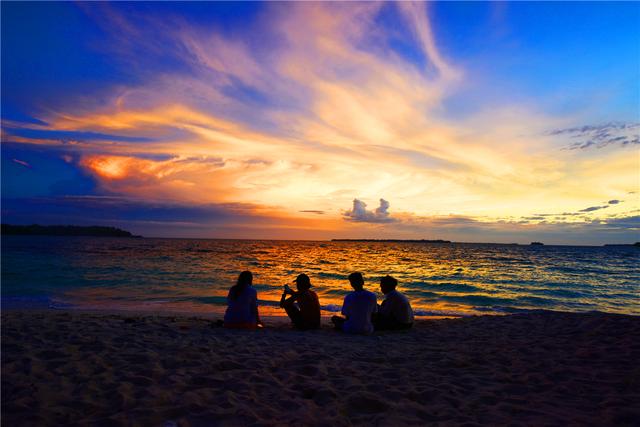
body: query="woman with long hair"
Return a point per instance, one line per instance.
(242, 304)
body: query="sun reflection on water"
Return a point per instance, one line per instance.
(440, 279)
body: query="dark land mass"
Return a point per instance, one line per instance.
(391, 240)
(63, 230)
(636, 244)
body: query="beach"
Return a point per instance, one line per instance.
(538, 368)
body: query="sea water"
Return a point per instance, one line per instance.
(191, 275)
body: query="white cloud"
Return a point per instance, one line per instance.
(360, 213)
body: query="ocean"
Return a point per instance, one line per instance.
(191, 275)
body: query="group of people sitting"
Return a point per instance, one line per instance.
(362, 314)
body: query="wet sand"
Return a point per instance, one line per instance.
(542, 368)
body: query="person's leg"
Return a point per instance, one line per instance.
(338, 322)
(294, 313)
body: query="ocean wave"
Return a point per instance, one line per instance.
(209, 300)
(482, 300)
(452, 287)
(325, 275)
(200, 250)
(560, 293)
(422, 295)
(503, 258)
(334, 308)
(432, 313)
(335, 292)
(532, 300)
(579, 269)
(502, 309)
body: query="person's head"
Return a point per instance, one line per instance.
(357, 281)
(302, 282)
(245, 279)
(388, 284)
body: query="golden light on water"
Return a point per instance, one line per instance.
(439, 279)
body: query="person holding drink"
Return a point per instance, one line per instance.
(302, 306)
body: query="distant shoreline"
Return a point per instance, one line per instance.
(64, 230)
(104, 231)
(393, 240)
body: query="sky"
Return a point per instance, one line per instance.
(467, 121)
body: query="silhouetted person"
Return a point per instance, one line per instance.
(302, 307)
(242, 304)
(358, 307)
(395, 311)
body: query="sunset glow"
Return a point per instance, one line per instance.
(503, 122)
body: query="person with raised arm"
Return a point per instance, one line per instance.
(302, 307)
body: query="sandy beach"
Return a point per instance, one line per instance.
(542, 368)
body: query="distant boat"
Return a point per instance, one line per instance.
(537, 244)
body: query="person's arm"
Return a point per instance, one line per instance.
(284, 301)
(255, 307)
(345, 307)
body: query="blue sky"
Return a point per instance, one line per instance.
(450, 112)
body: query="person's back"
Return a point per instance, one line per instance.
(395, 311)
(241, 308)
(396, 306)
(242, 304)
(358, 307)
(309, 308)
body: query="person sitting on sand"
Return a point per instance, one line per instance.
(306, 313)
(358, 308)
(242, 304)
(395, 311)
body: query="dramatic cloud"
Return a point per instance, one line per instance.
(614, 202)
(360, 213)
(601, 136)
(313, 104)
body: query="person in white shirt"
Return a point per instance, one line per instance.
(358, 308)
(395, 311)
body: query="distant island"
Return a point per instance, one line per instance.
(392, 240)
(537, 244)
(636, 244)
(63, 230)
